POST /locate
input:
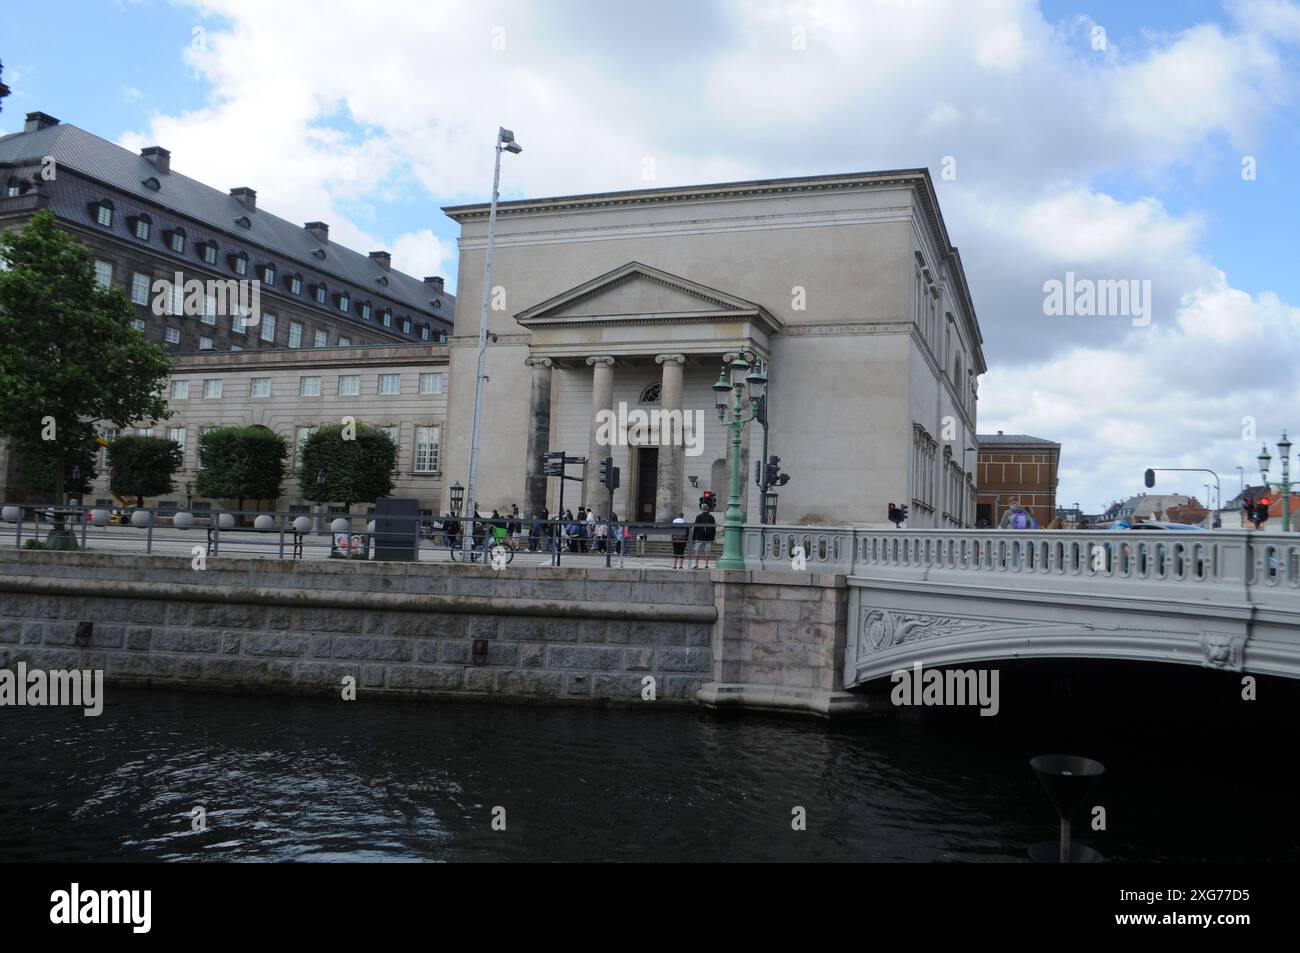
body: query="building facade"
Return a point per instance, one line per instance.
(399, 388)
(845, 287)
(1017, 467)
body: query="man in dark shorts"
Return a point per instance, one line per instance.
(705, 529)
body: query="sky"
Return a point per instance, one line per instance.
(1144, 142)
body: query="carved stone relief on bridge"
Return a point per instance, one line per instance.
(882, 629)
(1223, 650)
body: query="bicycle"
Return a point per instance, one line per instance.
(475, 552)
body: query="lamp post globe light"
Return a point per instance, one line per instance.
(732, 556)
(506, 141)
(1284, 486)
(457, 498)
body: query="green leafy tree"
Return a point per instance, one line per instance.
(359, 470)
(68, 354)
(38, 463)
(241, 463)
(143, 466)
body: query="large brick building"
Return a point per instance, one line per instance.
(1016, 467)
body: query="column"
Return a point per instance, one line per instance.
(594, 493)
(539, 434)
(668, 482)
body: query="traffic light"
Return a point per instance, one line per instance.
(897, 514)
(1256, 510)
(709, 500)
(774, 475)
(609, 474)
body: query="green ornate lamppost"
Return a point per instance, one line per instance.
(1285, 485)
(734, 386)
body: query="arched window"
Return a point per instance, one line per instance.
(239, 263)
(652, 394)
(175, 239)
(388, 318)
(140, 226)
(295, 284)
(267, 273)
(102, 211)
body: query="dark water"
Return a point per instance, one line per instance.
(314, 779)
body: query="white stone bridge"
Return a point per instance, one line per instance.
(1224, 599)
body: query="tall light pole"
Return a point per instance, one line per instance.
(1283, 448)
(1242, 472)
(732, 551)
(964, 493)
(506, 141)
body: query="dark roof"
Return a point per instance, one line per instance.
(1014, 439)
(88, 154)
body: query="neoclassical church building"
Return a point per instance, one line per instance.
(846, 287)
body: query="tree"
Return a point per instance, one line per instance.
(38, 463)
(241, 463)
(68, 354)
(359, 470)
(143, 466)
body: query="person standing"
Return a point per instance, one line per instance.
(680, 534)
(705, 530)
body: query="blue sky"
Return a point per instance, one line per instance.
(1123, 162)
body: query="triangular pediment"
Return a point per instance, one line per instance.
(637, 292)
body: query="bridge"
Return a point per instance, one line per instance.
(1224, 599)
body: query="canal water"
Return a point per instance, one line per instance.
(1190, 776)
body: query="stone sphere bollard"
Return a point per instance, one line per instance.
(225, 521)
(302, 525)
(341, 525)
(99, 517)
(142, 518)
(265, 523)
(182, 520)
(10, 514)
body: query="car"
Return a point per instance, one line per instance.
(1171, 526)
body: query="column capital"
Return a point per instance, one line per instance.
(600, 360)
(678, 359)
(537, 362)
(749, 356)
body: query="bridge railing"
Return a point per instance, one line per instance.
(1196, 563)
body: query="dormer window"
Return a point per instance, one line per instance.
(239, 263)
(319, 253)
(13, 188)
(103, 212)
(295, 284)
(437, 303)
(319, 292)
(424, 332)
(152, 184)
(406, 325)
(243, 222)
(343, 301)
(266, 273)
(208, 252)
(365, 311)
(388, 318)
(140, 226)
(175, 239)
(383, 280)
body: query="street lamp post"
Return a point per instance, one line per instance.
(964, 492)
(732, 555)
(506, 141)
(1284, 449)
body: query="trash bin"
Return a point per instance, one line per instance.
(640, 544)
(397, 529)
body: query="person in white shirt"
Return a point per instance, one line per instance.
(680, 535)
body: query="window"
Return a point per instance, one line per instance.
(406, 325)
(430, 383)
(239, 263)
(424, 332)
(172, 336)
(388, 318)
(137, 323)
(205, 344)
(394, 433)
(295, 285)
(300, 443)
(176, 240)
(110, 435)
(320, 339)
(344, 302)
(365, 311)
(309, 386)
(390, 383)
(295, 334)
(140, 288)
(320, 294)
(103, 272)
(104, 213)
(426, 449)
(268, 328)
(175, 299)
(259, 387)
(198, 465)
(235, 347)
(180, 390)
(239, 321)
(177, 435)
(212, 388)
(349, 385)
(210, 253)
(209, 310)
(14, 188)
(144, 431)
(652, 394)
(140, 225)
(267, 274)
(345, 342)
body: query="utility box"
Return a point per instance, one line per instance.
(397, 530)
